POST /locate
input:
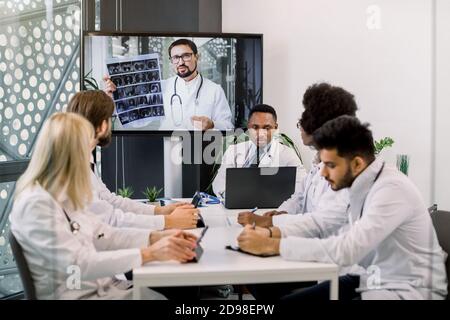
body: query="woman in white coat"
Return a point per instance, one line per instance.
(70, 252)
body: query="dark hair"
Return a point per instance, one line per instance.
(185, 42)
(324, 102)
(94, 105)
(263, 108)
(348, 136)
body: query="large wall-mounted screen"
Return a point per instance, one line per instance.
(158, 90)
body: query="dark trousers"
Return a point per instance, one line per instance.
(320, 292)
(275, 291)
(296, 291)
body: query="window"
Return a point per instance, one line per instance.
(39, 72)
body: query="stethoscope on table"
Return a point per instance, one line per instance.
(208, 199)
(175, 95)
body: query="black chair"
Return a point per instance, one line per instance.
(441, 223)
(22, 266)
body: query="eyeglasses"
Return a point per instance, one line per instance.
(185, 56)
(299, 124)
(113, 117)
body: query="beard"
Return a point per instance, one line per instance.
(345, 182)
(105, 141)
(187, 73)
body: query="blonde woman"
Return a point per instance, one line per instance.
(97, 107)
(70, 252)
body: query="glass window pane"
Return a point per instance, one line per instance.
(9, 280)
(39, 72)
(39, 64)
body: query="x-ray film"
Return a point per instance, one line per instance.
(138, 98)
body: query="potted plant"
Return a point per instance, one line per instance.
(288, 142)
(152, 194)
(383, 143)
(126, 192)
(89, 82)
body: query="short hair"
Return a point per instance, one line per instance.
(348, 136)
(185, 42)
(94, 105)
(324, 102)
(263, 108)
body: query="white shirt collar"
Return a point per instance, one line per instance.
(190, 86)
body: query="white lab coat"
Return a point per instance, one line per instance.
(325, 218)
(306, 197)
(64, 265)
(122, 212)
(236, 155)
(212, 103)
(394, 239)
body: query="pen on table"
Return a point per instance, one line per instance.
(202, 234)
(254, 223)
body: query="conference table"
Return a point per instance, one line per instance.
(219, 266)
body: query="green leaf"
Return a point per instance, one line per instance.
(89, 83)
(152, 193)
(287, 141)
(383, 143)
(126, 192)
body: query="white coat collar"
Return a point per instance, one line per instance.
(189, 86)
(246, 148)
(361, 187)
(266, 148)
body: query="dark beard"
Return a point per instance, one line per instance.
(188, 73)
(104, 141)
(346, 181)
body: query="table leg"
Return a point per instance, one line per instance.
(334, 288)
(136, 291)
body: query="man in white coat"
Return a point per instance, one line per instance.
(97, 107)
(262, 124)
(388, 231)
(322, 102)
(191, 101)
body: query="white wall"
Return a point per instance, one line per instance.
(388, 70)
(442, 155)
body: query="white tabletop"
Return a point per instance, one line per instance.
(220, 266)
(216, 215)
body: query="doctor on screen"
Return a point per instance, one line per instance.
(191, 101)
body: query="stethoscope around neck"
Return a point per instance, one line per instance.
(74, 226)
(175, 95)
